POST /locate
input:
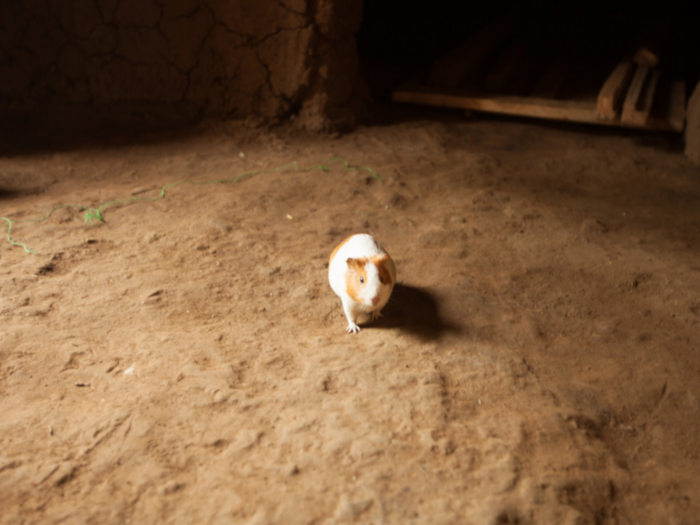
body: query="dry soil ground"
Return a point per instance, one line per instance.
(186, 361)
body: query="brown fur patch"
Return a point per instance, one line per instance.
(338, 248)
(384, 274)
(356, 269)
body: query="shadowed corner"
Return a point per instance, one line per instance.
(416, 312)
(7, 193)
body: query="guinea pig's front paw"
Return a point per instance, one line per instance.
(353, 328)
(376, 315)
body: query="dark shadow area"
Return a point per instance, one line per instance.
(65, 129)
(399, 41)
(661, 140)
(416, 312)
(7, 192)
(651, 202)
(671, 142)
(384, 113)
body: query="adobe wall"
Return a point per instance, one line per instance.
(274, 58)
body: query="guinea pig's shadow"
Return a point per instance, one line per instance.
(415, 311)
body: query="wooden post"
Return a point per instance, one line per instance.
(640, 96)
(612, 91)
(645, 56)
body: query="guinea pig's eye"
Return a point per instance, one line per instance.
(381, 278)
(362, 280)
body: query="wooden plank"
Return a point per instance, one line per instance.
(637, 111)
(452, 68)
(573, 111)
(645, 56)
(652, 39)
(634, 93)
(610, 95)
(676, 106)
(521, 106)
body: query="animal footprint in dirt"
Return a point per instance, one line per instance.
(218, 382)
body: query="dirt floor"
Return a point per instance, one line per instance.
(186, 360)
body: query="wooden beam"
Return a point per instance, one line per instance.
(522, 106)
(650, 43)
(645, 56)
(567, 110)
(634, 93)
(613, 89)
(640, 96)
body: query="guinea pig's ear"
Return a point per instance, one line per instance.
(354, 264)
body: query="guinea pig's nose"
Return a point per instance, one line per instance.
(375, 300)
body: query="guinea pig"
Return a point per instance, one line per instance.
(362, 274)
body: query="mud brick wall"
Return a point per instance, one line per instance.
(274, 58)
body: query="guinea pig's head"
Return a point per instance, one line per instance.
(369, 281)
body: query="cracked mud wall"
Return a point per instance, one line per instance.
(273, 58)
